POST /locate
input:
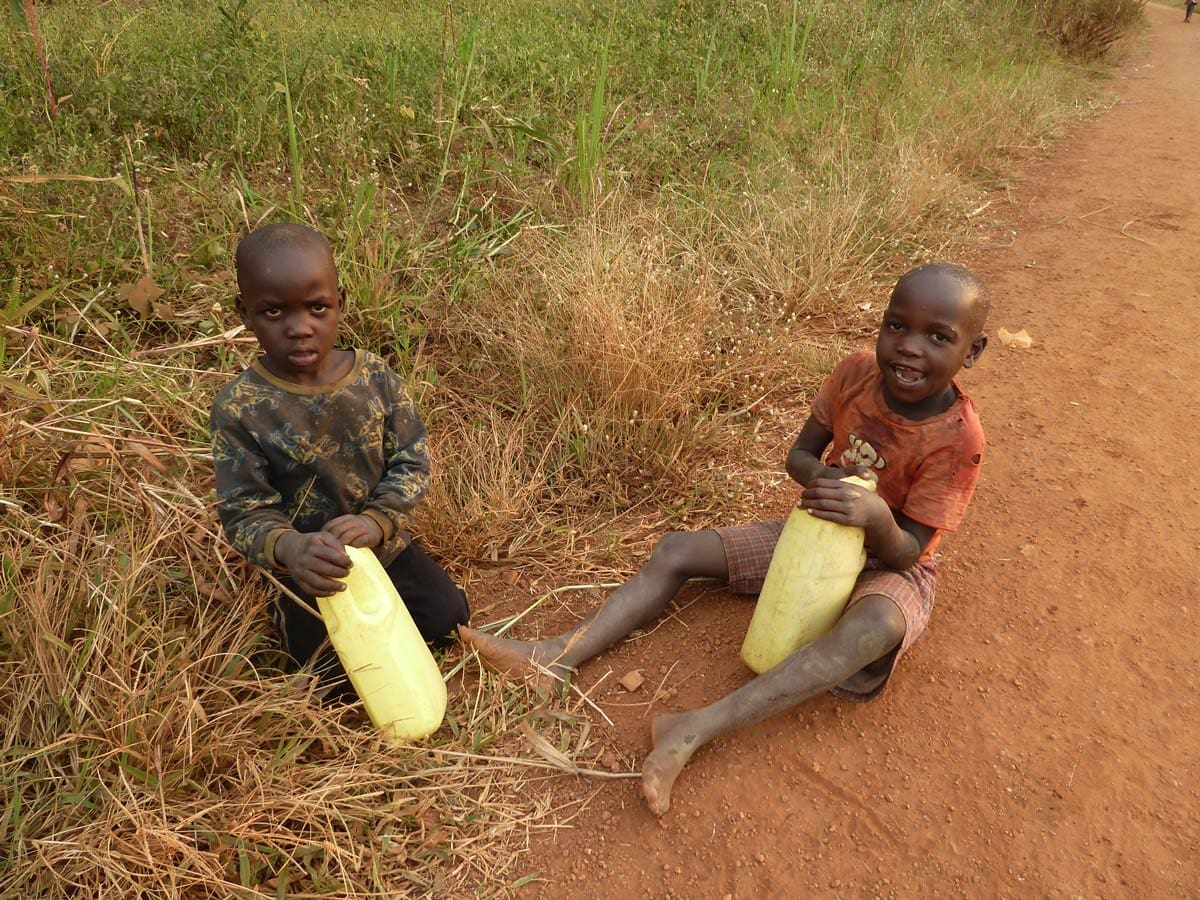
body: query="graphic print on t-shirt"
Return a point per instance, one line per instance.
(861, 453)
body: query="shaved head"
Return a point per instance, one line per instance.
(947, 278)
(259, 246)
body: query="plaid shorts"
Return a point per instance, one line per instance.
(748, 550)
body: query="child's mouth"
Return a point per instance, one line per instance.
(906, 375)
(302, 357)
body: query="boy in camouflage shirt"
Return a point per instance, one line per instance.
(316, 447)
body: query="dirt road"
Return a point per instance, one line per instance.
(1042, 740)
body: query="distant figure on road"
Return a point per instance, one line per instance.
(1187, 15)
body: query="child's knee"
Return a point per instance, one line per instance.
(688, 554)
(671, 552)
(876, 625)
(441, 628)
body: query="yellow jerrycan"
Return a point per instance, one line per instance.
(383, 653)
(808, 584)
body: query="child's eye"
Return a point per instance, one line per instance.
(939, 338)
(319, 307)
(272, 313)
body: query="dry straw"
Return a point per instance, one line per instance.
(151, 744)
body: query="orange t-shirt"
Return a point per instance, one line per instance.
(927, 468)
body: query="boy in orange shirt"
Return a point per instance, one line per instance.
(894, 414)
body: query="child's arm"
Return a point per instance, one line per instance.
(893, 537)
(253, 518)
(804, 459)
(405, 477)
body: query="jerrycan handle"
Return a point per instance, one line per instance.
(369, 597)
(371, 604)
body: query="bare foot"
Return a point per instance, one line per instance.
(674, 743)
(521, 659)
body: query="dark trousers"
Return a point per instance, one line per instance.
(437, 606)
(1187, 16)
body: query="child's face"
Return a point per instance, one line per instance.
(293, 305)
(928, 333)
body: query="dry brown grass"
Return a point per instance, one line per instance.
(602, 372)
(1088, 31)
(593, 357)
(152, 747)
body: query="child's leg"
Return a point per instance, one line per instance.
(305, 640)
(437, 605)
(870, 629)
(676, 558)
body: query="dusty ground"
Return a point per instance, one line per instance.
(1041, 740)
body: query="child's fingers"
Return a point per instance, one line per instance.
(829, 510)
(321, 579)
(839, 516)
(319, 587)
(863, 472)
(357, 531)
(353, 535)
(326, 575)
(342, 531)
(327, 555)
(339, 526)
(316, 574)
(836, 501)
(830, 491)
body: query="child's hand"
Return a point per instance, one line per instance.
(844, 503)
(837, 473)
(357, 531)
(314, 560)
(863, 472)
(827, 472)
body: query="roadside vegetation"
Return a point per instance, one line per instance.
(610, 246)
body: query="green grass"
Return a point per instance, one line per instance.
(607, 244)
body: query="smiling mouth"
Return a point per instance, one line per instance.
(907, 375)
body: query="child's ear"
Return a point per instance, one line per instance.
(976, 350)
(240, 306)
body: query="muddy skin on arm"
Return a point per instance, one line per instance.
(804, 459)
(892, 537)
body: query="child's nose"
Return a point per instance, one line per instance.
(299, 326)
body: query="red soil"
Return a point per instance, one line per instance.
(1041, 739)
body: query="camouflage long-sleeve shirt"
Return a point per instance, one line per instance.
(291, 456)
